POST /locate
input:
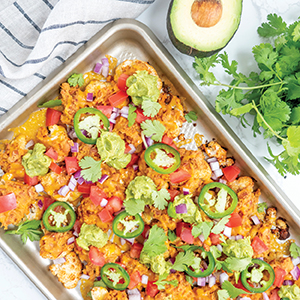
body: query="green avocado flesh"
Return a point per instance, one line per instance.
(203, 27)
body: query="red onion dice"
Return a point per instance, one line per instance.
(75, 148)
(185, 191)
(59, 260)
(201, 281)
(97, 68)
(255, 220)
(103, 178)
(90, 97)
(181, 209)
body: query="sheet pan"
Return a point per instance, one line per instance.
(130, 39)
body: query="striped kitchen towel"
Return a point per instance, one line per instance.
(36, 36)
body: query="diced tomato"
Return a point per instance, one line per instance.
(122, 82)
(140, 117)
(114, 204)
(231, 172)
(180, 176)
(31, 180)
(235, 220)
(96, 256)
(55, 168)
(169, 141)
(117, 98)
(152, 289)
(135, 279)
(85, 188)
(258, 245)
(146, 231)
(239, 285)
(274, 295)
(72, 165)
(77, 226)
(8, 202)
(184, 231)
(215, 238)
(134, 160)
(105, 109)
(105, 215)
(96, 195)
(51, 153)
(136, 250)
(52, 116)
(127, 148)
(47, 202)
(279, 276)
(173, 194)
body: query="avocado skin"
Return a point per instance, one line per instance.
(183, 48)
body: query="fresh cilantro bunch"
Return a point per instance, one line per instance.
(272, 95)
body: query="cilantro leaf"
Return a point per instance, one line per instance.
(222, 294)
(216, 254)
(294, 250)
(134, 207)
(232, 290)
(131, 115)
(261, 207)
(150, 107)
(155, 245)
(28, 229)
(237, 264)
(182, 260)
(274, 27)
(161, 282)
(75, 79)
(171, 235)
(189, 279)
(153, 129)
(91, 169)
(219, 227)
(160, 198)
(202, 66)
(202, 228)
(191, 116)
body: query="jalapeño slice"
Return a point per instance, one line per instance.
(201, 272)
(114, 276)
(90, 124)
(162, 158)
(217, 208)
(257, 280)
(59, 217)
(124, 228)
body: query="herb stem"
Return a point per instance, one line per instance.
(265, 122)
(248, 87)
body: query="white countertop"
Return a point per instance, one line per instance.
(14, 285)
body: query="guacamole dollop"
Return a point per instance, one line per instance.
(292, 292)
(141, 188)
(239, 249)
(141, 86)
(193, 214)
(91, 235)
(157, 264)
(35, 162)
(111, 150)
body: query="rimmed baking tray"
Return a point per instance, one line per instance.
(130, 39)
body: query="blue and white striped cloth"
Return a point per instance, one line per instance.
(36, 36)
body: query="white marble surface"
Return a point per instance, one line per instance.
(14, 285)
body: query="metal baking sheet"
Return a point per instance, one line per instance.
(129, 39)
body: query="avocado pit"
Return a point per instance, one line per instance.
(206, 13)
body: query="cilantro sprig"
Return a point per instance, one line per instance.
(91, 169)
(161, 282)
(154, 128)
(272, 95)
(28, 229)
(76, 79)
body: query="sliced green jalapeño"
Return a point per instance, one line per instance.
(201, 272)
(254, 280)
(127, 226)
(88, 128)
(162, 158)
(219, 207)
(59, 217)
(114, 276)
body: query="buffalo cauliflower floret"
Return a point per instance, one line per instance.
(69, 272)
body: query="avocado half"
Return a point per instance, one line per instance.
(203, 27)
